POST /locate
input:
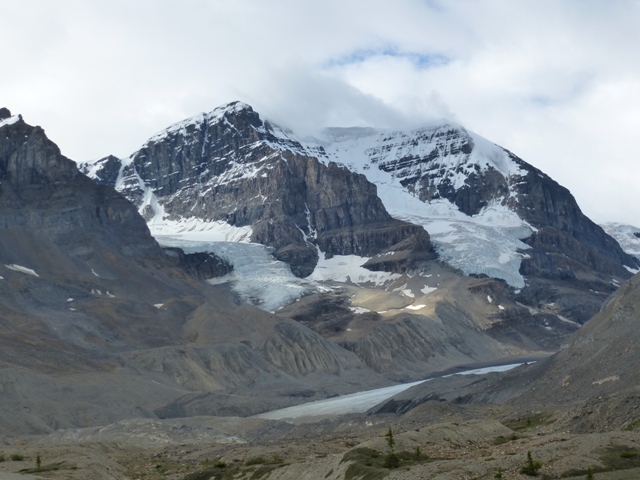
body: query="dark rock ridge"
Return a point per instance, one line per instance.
(203, 265)
(232, 166)
(601, 358)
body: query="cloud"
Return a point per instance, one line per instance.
(555, 81)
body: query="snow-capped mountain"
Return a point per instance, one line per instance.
(360, 191)
(229, 166)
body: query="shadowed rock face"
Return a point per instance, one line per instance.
(230, 165)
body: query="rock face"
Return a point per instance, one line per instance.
(596, 370)
(461, 179)
(98, 323)
(601, 358)
(374, 193)
(231, 166)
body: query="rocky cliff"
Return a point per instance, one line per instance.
(229, 165)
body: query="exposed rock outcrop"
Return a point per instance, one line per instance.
(230, 165)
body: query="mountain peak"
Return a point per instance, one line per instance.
(233, 107)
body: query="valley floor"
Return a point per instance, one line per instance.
(434, 441)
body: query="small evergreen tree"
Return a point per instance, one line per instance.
(390, 440)
(589, 474)
(391, 460)
(498, 474)
(38, 462)
(531, 467)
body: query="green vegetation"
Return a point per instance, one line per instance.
(391, 461)
(502, 439)
(635, 425)
(532, 466)
(612, 458)
(498, 474)
(370, 464)
(253, 469)
(530, 421)
(17, 457)
(589, 474)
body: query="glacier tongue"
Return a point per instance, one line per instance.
(487, 243)
(257, 277)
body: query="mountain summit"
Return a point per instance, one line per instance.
(373, 194)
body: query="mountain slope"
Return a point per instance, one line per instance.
(88, 300)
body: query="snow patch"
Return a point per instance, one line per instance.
(348, 269)
(415, 307)
(359, 309)
(427, 289)
(194, 229)
(257, 277)
(625, 235)
(10, 121)
(20, 268)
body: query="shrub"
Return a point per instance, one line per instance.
(391, 461)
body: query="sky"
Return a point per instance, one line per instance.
(557, 82)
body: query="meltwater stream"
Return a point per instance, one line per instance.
(362, 401)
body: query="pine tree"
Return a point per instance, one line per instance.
(531, 467)
(391, 460)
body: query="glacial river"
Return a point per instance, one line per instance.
(362, 401)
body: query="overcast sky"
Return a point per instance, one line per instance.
(555, 81)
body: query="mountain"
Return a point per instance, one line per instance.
(228, 165)
(367, 192)
(99, 323)
(416, 250)
(600, 360)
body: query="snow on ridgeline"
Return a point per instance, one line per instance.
(276, 137)
(10, 121)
